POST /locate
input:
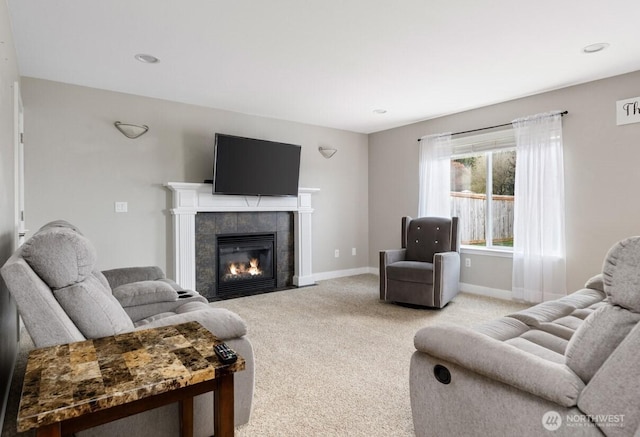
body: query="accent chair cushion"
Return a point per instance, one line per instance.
(411, 271)
(427, 236)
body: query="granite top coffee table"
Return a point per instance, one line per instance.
(80, 385)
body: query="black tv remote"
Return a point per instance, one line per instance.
(225, 353)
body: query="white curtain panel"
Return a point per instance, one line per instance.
(539, 251)
(435, 176)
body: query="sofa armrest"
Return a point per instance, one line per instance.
(596, 283)
(502, 362)
(222, 322)
(388, 257)
(144, 293)
(127, 275)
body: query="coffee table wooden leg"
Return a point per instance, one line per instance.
(223, 407)
(186, 417)
(49, 431)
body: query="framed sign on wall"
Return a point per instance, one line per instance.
(628, 111)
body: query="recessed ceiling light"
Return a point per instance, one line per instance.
(594, 48)
(147, 59)
(379, 111)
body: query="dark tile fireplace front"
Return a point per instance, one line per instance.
(243, 253)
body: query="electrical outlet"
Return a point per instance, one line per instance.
(353, 251)
(467, 262)
(336, 253)
(121, 207)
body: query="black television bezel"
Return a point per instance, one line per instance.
(266, 142)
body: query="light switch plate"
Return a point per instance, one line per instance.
(121, 207)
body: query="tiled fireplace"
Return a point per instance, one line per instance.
(200, 218)
(241, 253)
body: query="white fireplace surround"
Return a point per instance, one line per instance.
(191, 198)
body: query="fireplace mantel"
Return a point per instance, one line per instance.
(191, 198)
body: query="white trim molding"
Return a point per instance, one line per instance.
(486, 291)
(481, 250)
(323, 276)
(191, 198)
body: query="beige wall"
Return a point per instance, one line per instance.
(601, 175)
(78, 165)
(8, 314)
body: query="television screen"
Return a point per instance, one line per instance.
(254, 167)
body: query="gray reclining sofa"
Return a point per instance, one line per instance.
(569, 367)
(62, 298)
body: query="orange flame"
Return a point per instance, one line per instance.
(236, 269)
(253, 267)
(233, 269)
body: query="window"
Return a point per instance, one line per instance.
(483, 169)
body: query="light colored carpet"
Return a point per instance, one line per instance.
(332, 360)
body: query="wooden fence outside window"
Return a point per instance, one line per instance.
(471, 210)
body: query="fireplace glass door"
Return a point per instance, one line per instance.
(246, 263)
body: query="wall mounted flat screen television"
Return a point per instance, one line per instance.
(247, 166)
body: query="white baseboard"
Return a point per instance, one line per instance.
(342, 273)
(464, 287)
(486, 291)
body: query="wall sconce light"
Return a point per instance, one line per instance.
(132, 131)
(327, 152)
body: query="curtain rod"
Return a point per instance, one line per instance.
(490, 127)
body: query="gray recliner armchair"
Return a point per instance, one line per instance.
(426, 271)
(63, 298)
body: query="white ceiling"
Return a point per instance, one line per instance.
(328, 62)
